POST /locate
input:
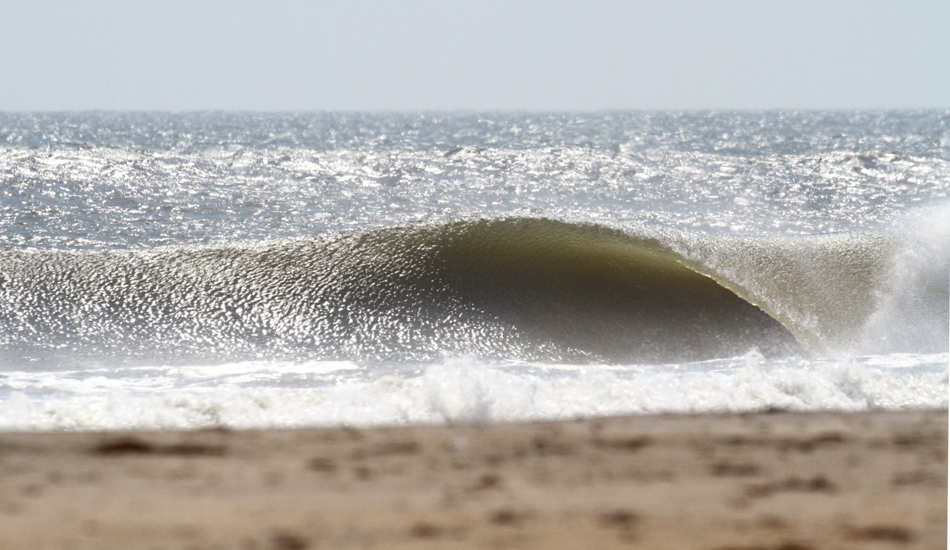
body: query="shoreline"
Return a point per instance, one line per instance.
(782, 480)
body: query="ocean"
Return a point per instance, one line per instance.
(254, 270)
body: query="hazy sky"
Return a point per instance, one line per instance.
(477, 54)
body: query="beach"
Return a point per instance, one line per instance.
(770, 480)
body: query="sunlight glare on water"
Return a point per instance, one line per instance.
(185, 270)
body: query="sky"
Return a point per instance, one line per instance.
(412, 55)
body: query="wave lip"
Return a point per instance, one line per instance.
(520, 288)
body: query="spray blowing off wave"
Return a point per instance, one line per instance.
(531, 289)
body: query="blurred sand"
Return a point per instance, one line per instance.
(782, 481)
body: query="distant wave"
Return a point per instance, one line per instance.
(514, 287)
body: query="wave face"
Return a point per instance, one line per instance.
(514, 288)
(523, 288)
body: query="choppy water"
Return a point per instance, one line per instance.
(184, 270)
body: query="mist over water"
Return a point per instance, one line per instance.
(297, 269)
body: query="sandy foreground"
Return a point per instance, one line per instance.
(780, 481)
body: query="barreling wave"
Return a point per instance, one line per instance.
(535, 289)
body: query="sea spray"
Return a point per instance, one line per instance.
(912, 307)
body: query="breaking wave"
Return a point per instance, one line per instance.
(521, 288)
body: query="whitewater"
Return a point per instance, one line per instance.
(162, 270)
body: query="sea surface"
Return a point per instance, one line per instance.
(187, 270)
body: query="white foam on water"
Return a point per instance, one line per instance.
(280, 394)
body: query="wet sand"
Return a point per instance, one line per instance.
(782, 481)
